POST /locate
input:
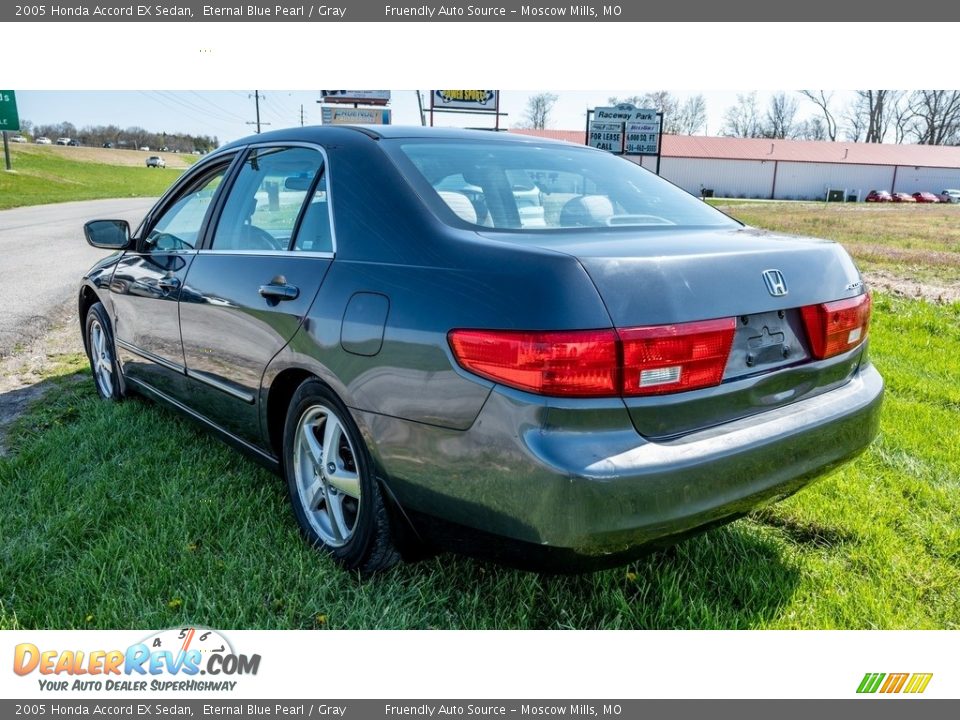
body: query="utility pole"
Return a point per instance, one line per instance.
(6, 151)
(423, 120)
(256, 99)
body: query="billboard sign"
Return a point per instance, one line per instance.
(638, 128)
(473, 100)
(358, 97)
(9, 118)
(335, 115)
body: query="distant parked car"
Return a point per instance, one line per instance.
(903, 197)
(879, 196)
(63, 141)
(950, 196)
(74, 143)
(43, 141)
(145, 148)
(925, 197)
(18, 138)
(156, 161)
(108, 145)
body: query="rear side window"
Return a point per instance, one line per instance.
(518, 186)
(266, 199)
(314, 234)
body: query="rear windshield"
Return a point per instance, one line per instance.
(516, 186)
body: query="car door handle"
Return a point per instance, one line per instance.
(168, 283)
(279, 291)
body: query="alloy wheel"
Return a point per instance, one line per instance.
(326, 473)
(101, 357)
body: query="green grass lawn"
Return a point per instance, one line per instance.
(918, 241)
(124, 515)
(46, 175)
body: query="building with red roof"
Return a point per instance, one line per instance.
(794, 169)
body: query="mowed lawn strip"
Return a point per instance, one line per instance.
(60, 174)
(125, 515)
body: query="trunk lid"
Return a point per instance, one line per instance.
(658, 277)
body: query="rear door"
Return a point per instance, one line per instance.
(252, 282)
(148, 281)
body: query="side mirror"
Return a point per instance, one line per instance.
(108, 234)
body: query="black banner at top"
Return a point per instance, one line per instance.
(478, 11)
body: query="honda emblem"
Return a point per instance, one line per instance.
(775, 282)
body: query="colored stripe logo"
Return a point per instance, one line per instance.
(913, 683)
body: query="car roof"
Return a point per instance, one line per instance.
(331, 133)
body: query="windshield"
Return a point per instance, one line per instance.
(527, 187)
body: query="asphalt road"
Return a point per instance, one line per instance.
(43, 255)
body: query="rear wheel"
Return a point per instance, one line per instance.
(100, 351)
(332, 489)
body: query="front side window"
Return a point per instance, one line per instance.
(517, 186)
(178, 228)
(264, 204)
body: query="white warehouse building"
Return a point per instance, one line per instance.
(794, 169)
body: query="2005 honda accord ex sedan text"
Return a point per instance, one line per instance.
(484, 341)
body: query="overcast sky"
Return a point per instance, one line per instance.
(226, 114)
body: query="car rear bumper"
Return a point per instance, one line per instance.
(545, 472)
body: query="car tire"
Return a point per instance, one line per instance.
(333, 491)
(101, 351)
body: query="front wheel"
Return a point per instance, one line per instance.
(100, 351)
(333, 492)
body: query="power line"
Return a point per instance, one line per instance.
(161, 100)
(214, 105)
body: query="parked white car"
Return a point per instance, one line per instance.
(949, 196)
(156, 161)
(43, 141)
(63, 141)
(18, 138)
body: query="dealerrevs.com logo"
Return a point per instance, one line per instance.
(890, 683)
(169, 660)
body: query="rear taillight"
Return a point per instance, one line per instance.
(600, 363)
(836, 327)
(673, 358)
(580, 363)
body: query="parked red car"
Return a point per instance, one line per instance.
(879, 196)
(903, 197)
(925, 197)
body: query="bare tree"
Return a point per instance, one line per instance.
(635, 100)
(936, 116)
(871, 114)
(679, 118)
(811, 129)
(822, 99)
(903, 121)
(743, 119)
(781, 115)
(539, 107)
(690, 117)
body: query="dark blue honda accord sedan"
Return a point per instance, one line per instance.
(491, 341)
